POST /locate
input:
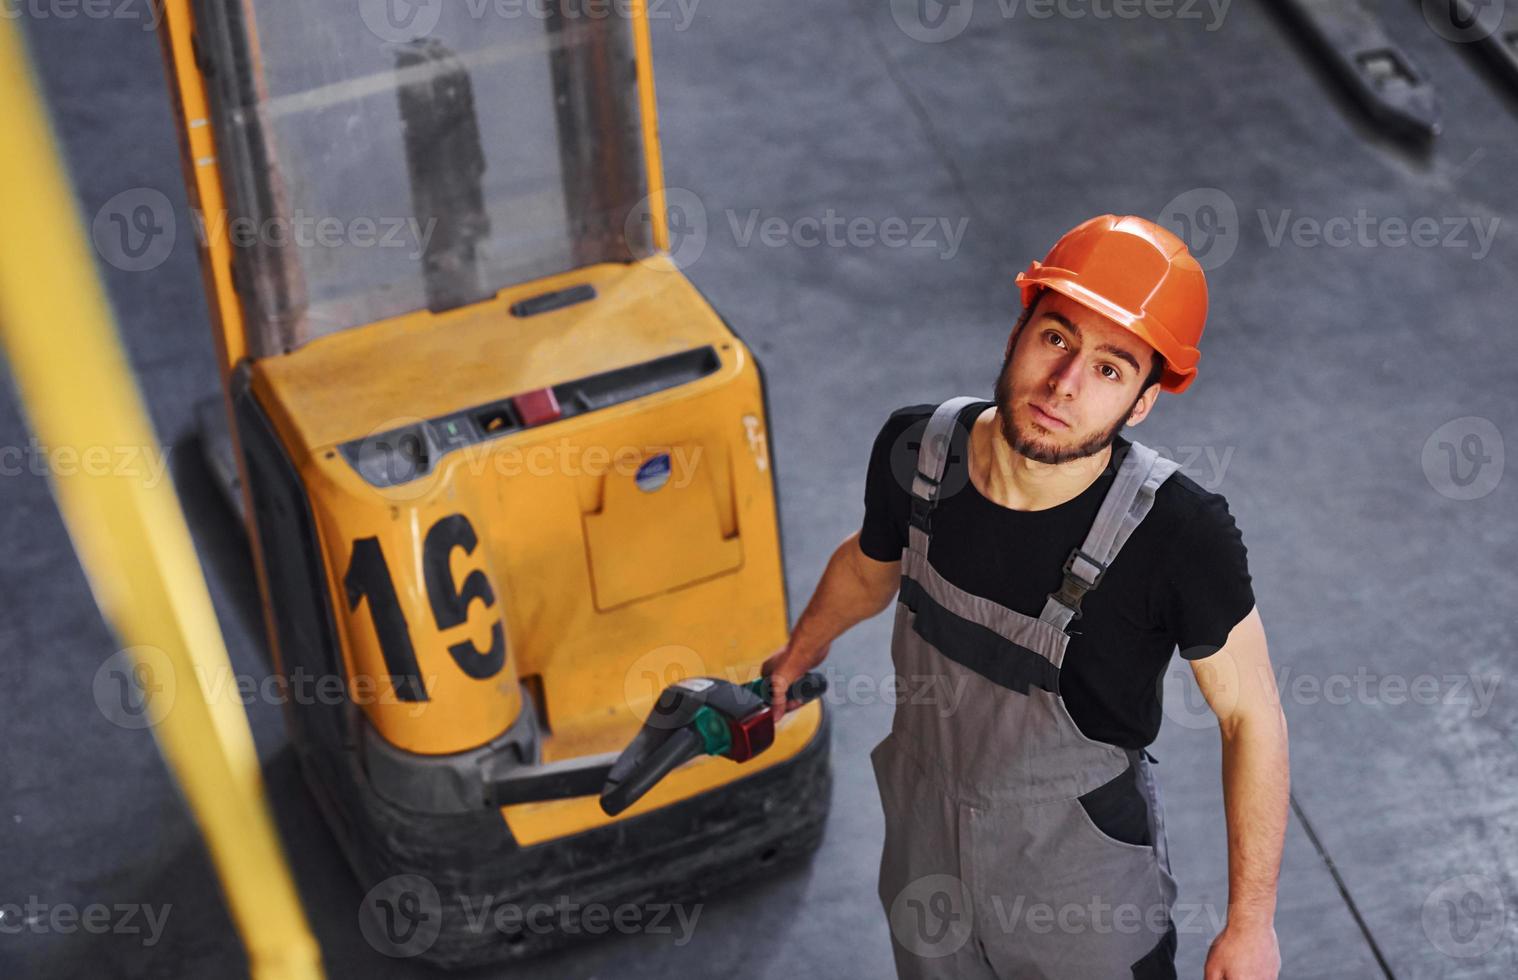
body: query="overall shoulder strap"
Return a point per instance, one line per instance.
(1126, 505)
(932, 457)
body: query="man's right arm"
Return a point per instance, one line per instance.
(853, 588)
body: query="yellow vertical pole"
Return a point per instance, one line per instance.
(127, 527)
(648, 104)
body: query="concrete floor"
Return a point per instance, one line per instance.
(1330, 376)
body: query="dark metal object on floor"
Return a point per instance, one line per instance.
(1396, 95)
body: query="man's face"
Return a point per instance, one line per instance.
(1083, 369)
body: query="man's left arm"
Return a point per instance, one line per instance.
(1239, 686)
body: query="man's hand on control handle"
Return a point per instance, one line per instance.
(853, 588)
(783, 669)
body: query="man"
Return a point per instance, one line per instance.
(1025, 784)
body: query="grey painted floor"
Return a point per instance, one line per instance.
(1335, 373)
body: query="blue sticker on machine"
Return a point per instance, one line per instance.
(654, 473)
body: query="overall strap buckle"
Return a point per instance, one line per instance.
(1078, 580)
(921, 514)
(932, 460)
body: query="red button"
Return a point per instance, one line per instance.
(536, 407)
(751, 735)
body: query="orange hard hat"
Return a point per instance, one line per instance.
(1139, 275)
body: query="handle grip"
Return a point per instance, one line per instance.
(808, 687)
(629, 780)
(657, 750)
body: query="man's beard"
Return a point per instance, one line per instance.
(1028, 446)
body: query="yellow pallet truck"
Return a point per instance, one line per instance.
(505, 471)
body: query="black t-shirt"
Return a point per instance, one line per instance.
(1181, 580)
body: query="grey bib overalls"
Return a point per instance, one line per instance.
(992, 864)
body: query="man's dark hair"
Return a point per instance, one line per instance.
(1154, 372)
